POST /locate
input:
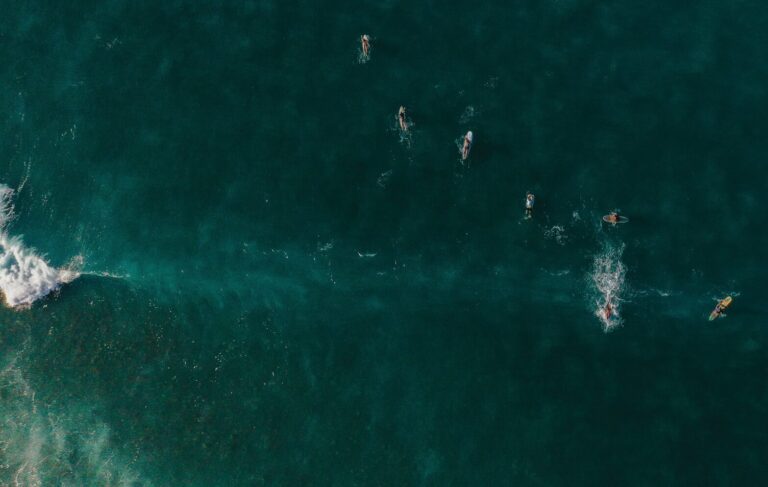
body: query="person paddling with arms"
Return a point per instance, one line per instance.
(608, 310)
(466, 146)
(365, 44)
(615, 218)
(719, 310)
(529, 202)
(401, 119)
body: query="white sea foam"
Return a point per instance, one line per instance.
(405, 135)
(62, 443)
(607, 281)
(468, 114)
(25, 277)
(556, 233)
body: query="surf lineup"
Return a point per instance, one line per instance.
(613, 218)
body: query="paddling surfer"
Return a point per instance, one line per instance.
(401, 119)
(529, 202)
(365, 43)
(613, 217)
(719, 310)
(608, 310)
(466, 146)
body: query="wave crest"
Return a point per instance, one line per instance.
(25, 277)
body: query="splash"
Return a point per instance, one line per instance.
(25, 277)
(607, 282)
(556, 233)
(362, 57)
(405, 135)
(468, 114)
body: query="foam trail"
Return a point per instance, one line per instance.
(607, 279)
(25, 277)
(59, 443)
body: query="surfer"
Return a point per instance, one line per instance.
(613, 217)
(608, 310)
(365, 42)
(720, 308)
(401, 119)
(467, 145)
(529, 201)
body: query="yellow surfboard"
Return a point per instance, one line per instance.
(724, 304)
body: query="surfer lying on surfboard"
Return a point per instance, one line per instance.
(613, 218)
(365, 43)
(529, 202)
(467, 146)
(608, 310)
(401, 119)
(720, 308)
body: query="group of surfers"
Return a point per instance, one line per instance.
(613, 217)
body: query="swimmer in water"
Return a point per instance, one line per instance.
(467, 145)
(529, 201)
(401, 119)
(365, 43)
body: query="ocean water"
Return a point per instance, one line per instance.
(223, 264)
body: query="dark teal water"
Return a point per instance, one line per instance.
(276, 288)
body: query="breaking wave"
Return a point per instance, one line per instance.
(25, 277)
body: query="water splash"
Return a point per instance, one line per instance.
(607, 280)
(405, 135)
(25, 277)
(556, 233)
(468, 114)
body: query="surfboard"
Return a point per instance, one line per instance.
(725, 302)
(622, 219)
(467, 137)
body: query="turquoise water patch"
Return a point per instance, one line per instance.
(224, 263)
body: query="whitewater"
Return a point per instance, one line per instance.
(25, 277)
(607, 281)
